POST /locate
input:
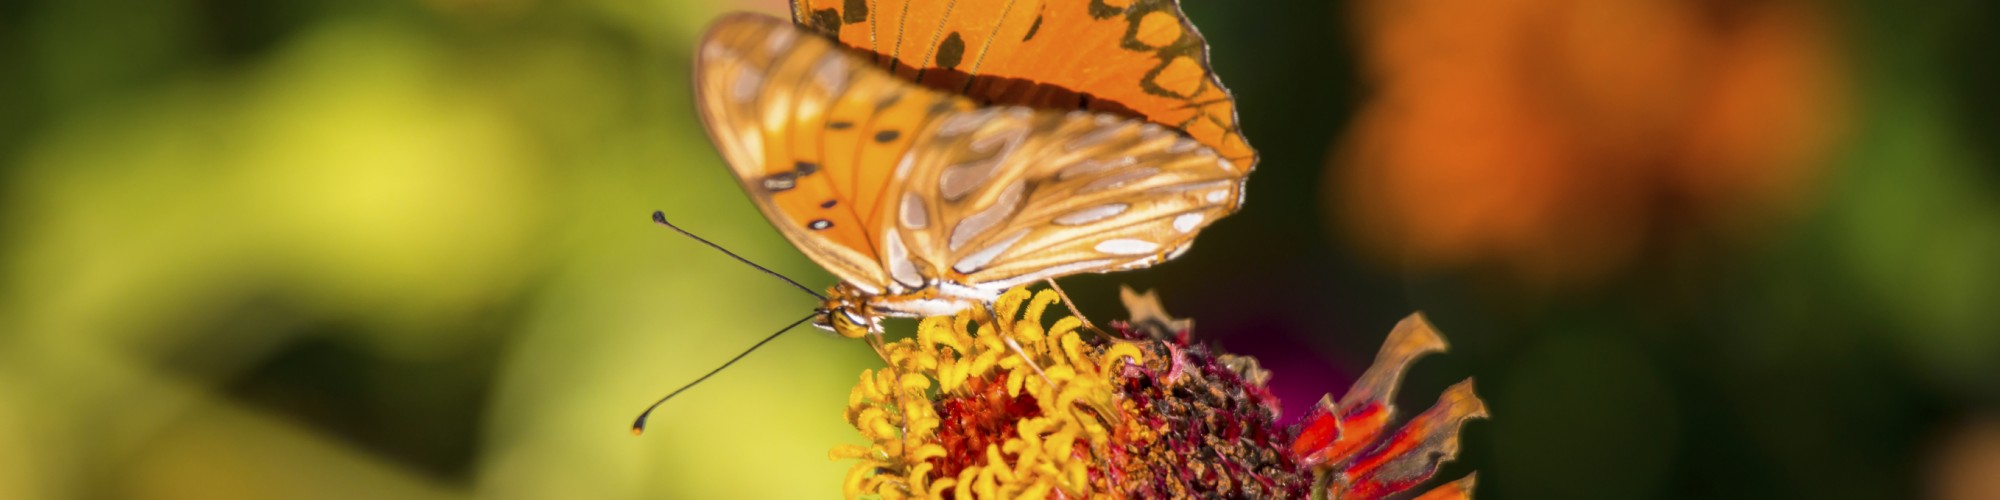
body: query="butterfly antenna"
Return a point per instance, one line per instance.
(639, 424)
(661, 219)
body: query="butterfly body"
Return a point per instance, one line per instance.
(926, 202)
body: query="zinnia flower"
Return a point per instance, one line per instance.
(961, 412)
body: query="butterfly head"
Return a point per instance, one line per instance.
(845, 312)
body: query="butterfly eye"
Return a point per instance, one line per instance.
(853, 318)
(845, 322)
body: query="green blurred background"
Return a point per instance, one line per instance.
(340, 249)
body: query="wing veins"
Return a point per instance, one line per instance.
(915, 133)
(935, 35)
(902, 23)
(861, 147)
(973, 73)
(827, 112)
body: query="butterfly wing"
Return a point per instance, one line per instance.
(810, 130)
(1004, 195)
(1137, 58)
(896, 188)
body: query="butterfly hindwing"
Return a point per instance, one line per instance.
(1138, 58)
(1135, 196)
(1000, 196)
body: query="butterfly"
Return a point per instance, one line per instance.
(925, 202)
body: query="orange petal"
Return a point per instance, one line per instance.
(1455, 490)
(1317, 432)
(1411, 455)
(1368, 406)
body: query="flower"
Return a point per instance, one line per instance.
(1560, 141)
(962, 410)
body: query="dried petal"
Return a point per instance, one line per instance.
(1411, 455)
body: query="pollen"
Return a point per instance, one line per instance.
(958, 409)
(1010, 405)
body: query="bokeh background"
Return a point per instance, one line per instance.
(400, 249)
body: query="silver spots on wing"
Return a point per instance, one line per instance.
(913, 213)
(831, 72)
(1189, 221)
(780, 40)
(977, 223)
(781, 181)
(957, 180)
(959, 123)
(1009, 138)
(748, 80)
(1092, 138)
(1218, 195)
(1226, 165)
(1092, 165)
(1117, 180)
(1126, 246)
(979, 259)
(903, 167)
(900, 267)
(1183, 145)
(1186, 188)
(1092, 214)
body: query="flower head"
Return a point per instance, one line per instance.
(1004, 406)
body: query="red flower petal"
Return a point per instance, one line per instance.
(1455, 490)
(1411, 455)
(1368, 405)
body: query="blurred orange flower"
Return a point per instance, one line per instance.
(1556, 139)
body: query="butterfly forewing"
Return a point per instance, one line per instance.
(766, 93)
(1138, 58)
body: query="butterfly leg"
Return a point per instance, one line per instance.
(1008, 337)
(1073, 311)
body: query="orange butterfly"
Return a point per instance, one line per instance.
(925, 202)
